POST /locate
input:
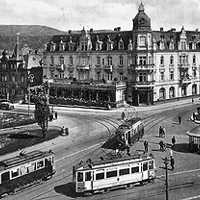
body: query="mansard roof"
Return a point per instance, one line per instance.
(103, 36)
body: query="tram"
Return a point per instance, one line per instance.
(194, 139)
(24, 170)
(104, 175)
(127, 134)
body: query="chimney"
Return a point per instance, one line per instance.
(69, 31)
(161, 29)
(197, 30)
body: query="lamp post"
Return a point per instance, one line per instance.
(166, 162)
(30, 80)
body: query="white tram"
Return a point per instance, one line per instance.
(106, 174)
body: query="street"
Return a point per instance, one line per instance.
(87, 132)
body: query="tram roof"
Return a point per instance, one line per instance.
(195, 132)
(23, 158)
(111, 161)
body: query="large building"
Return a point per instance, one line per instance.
(155, 65)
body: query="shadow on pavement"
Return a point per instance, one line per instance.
(67, 190)
(182, 147)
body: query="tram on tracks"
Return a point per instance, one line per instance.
(24, 170)
(128, 133)
(103, 175)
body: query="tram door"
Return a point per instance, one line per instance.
(88, 180)
(145, 174)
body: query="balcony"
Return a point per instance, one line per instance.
(108, 68)
(183, 65)
(83, 67)
(185, 80)
(147, 67)
(145, 84)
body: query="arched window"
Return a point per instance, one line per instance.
(171, 92)
(162, 94)
(184, 90)
(171, 60)
(121, 60)
(162, 60)
(121, 44)
(194, 89)
(71, 60)
(52, 60)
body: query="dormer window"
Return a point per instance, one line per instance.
(98, 45)
(121, 60)
(71, 44)
(52, 46)
(121, 44)
(162, 60)
(130, 45)
(61, 46)
(109, 44)
(183, 45)
(171, 45)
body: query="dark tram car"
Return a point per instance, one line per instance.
(24, 170)
(127, 134)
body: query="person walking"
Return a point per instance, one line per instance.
(179, 119)
(160, 131)
(146, 146)
(173, 141)
(56, 115)
(172, 162)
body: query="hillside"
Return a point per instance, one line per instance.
(33, 35)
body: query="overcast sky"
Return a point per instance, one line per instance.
(100, 14)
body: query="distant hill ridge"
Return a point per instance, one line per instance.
(33, 35)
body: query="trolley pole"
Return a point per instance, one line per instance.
(166, 162)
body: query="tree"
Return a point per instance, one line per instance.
(42, 113)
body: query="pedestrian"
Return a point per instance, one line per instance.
(173, 141)
(56, 115)
(179, 119)
(172, 162)
(162, 145)
(163, 132)
(160, 131)
(146, 146)
(123, 115)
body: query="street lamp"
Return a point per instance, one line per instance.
(30, 80)
(166, 162)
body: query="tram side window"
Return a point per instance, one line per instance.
(5, 176)
(32, 167)
(111, 174)
(145, 166)
(40, 164)
(80, 177)
(100, 176)
(135, 169)
(124, 171)
(151, 164)
(14, 173)
(88, 176)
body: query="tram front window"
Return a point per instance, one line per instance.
(88, 176)
(80, 177)
(151, 164)
(145, 166)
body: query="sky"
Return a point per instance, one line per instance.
(100, 14)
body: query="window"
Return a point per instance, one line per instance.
(142, 40)
(103, 61)
(194, 59)
(109, 60)
(61, 60)
(134, 169)
(88, 176)
(100, 176)
(183, 45)
(162, 76)
(14, 173)
(40, 164)
(109, 76)
(194, 72)
(5, 176)
(13, 78)
(151, 164)
(32, 167)
(162, 60)
(171, 75)
(142, 60)
(142, 77)
(52, 60)
(121, 45)
(111, 174)
(121, 61)
(145, 166)
(71, 60)
(98, 60)
(171, 60)
(171, 92)
(124, 171)
(80, 177)
(121, 76)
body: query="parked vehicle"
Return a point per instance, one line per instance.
(6, 106)
(103, 175)
(25, 170)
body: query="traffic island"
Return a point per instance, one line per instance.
(17, 140)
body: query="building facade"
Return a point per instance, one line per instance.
(155, 65)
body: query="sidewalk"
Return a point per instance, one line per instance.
(156, 107)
